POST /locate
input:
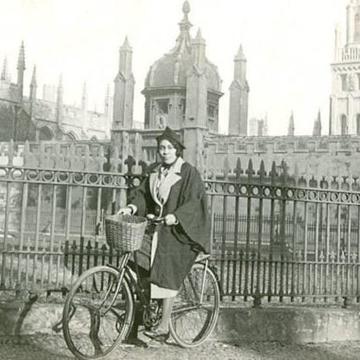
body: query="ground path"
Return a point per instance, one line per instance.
(44, 347)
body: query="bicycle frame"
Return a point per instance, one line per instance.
(121, 269)
(124, 270)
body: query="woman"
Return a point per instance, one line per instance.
(173, 190)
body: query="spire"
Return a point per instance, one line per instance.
(125, 63)
(84, 97)
(60, 84)
(199, 37)
(337, 43)
(239, 97)
(124, 85)
(353, 23)
(185, 23)
(126, 46)
(4, 74)
(21, 58)
(240, 56)
(33, 91)
(21, 68)
(59, 101)
(240, 66)
(317, 125)
(183, 41)
(199, 46)
(33, 85)
(107, 101)
(266, 124)
(33, 78)
(291, 128)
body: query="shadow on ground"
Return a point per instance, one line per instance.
(320, 351)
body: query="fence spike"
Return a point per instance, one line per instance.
(262, 172)
(273, 174)
(144, 167)
(345, 184)
(238, 171)
(284, 172)
(130, 162)
(26, 153)
(342, 256)
(88, 245)
(313, 182)
(250, 170)
(11, 153)
(226, 168)
(87, 158)
(355, 183)
(302, 182)
(115, 162)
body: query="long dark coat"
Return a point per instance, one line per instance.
(177, 245)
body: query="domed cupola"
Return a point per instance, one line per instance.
(167, 82)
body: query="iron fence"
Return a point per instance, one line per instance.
(273, 236)
(287, 239)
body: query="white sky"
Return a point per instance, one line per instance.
(288, 45)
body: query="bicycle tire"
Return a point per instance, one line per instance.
(187, 325)
(97, 301)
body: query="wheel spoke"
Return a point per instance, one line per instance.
(98, 313)
(196, 307)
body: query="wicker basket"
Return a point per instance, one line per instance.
(125, 232)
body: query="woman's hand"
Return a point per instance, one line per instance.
(170, 219)
(125, 211)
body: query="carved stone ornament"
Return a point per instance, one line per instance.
(351, 82)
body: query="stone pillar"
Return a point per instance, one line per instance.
(194, 153)
(239, 97)
(124, 90)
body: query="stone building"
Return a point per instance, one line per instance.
(258, 127)
(33, 118)
(183, 88)
(345, 92)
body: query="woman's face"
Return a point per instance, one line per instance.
(167, 151)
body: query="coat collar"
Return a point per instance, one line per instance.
(176, 168)
(171, 179)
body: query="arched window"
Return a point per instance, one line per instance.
(358, 124)
(45, 134)
(344, 125)
(357, 27)
(343, 78)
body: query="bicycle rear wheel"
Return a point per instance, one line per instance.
(196, 307)
(98, 313)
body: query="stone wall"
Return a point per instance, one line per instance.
(304, 155)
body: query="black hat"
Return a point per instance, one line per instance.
(171, 136)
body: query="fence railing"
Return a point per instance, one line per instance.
(273, 236)
(284, 238)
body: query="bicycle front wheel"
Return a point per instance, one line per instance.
(196, 307)
(98, 313)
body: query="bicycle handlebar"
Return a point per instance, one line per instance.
(154, 220)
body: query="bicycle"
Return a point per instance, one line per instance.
(99, 309)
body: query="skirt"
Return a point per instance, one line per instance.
(145, 258)
(157, 292)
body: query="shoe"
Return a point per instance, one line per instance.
(157, 335)
(136, 342)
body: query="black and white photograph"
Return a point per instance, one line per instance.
(179, 179)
